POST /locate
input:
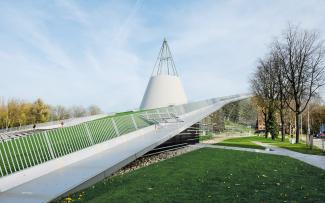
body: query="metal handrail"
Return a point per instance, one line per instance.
(67, 122)
(39, 147)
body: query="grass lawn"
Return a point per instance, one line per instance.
(247, 143)
(214, 175)
(208, 136)
(300, 147)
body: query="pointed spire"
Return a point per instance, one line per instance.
(165, 64)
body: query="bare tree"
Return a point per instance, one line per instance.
(94, 110)
(301, 56)
(264, 87)
(247, 112)
(60, 112)
(282, 95)
(78, 111)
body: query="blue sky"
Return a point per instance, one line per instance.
(102, 52)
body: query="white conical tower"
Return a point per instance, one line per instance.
(164, 87)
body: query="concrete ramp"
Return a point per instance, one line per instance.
(85, 167)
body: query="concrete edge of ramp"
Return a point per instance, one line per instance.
(61, 181)
(24, 176)
(177, 129)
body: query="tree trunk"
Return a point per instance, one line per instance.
(265, 123)
(297, 127)
(290, 128)
(271, 124)
(282, 127)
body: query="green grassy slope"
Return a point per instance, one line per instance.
(214, 175)
(245, 142)
(24, 152)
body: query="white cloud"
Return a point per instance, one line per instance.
(73, 52)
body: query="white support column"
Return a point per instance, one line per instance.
(70, 143)
(26, 150)
(83, 140)
(14, 151)
(88, 133)
(76, 142)
(158, 113)
(4, 165)
(106, 127)
(87, 140)
(40, 147)
(175, 111)
(4, 149)
(45, 147)
(93, 126)
(32, 151)
(63, 137)
(1, 167)
(58, 144)
(73, 142)
(22, 150)
(21, 161)
(98, 131)
(115, 127)
(49, 145)
(38, 154)
(134, 123)
(168, 112)
(11, 157)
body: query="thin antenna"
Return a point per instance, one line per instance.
(165, 63)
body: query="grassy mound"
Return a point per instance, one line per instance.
(245, 142)
(214, 175)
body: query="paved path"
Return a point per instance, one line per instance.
(314, 160)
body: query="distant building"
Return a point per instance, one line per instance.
(260, 121)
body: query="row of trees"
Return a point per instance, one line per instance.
(16, 112)
(316, 116)
(243, 112)
(288, 77)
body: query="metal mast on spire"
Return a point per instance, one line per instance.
(165, 63)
